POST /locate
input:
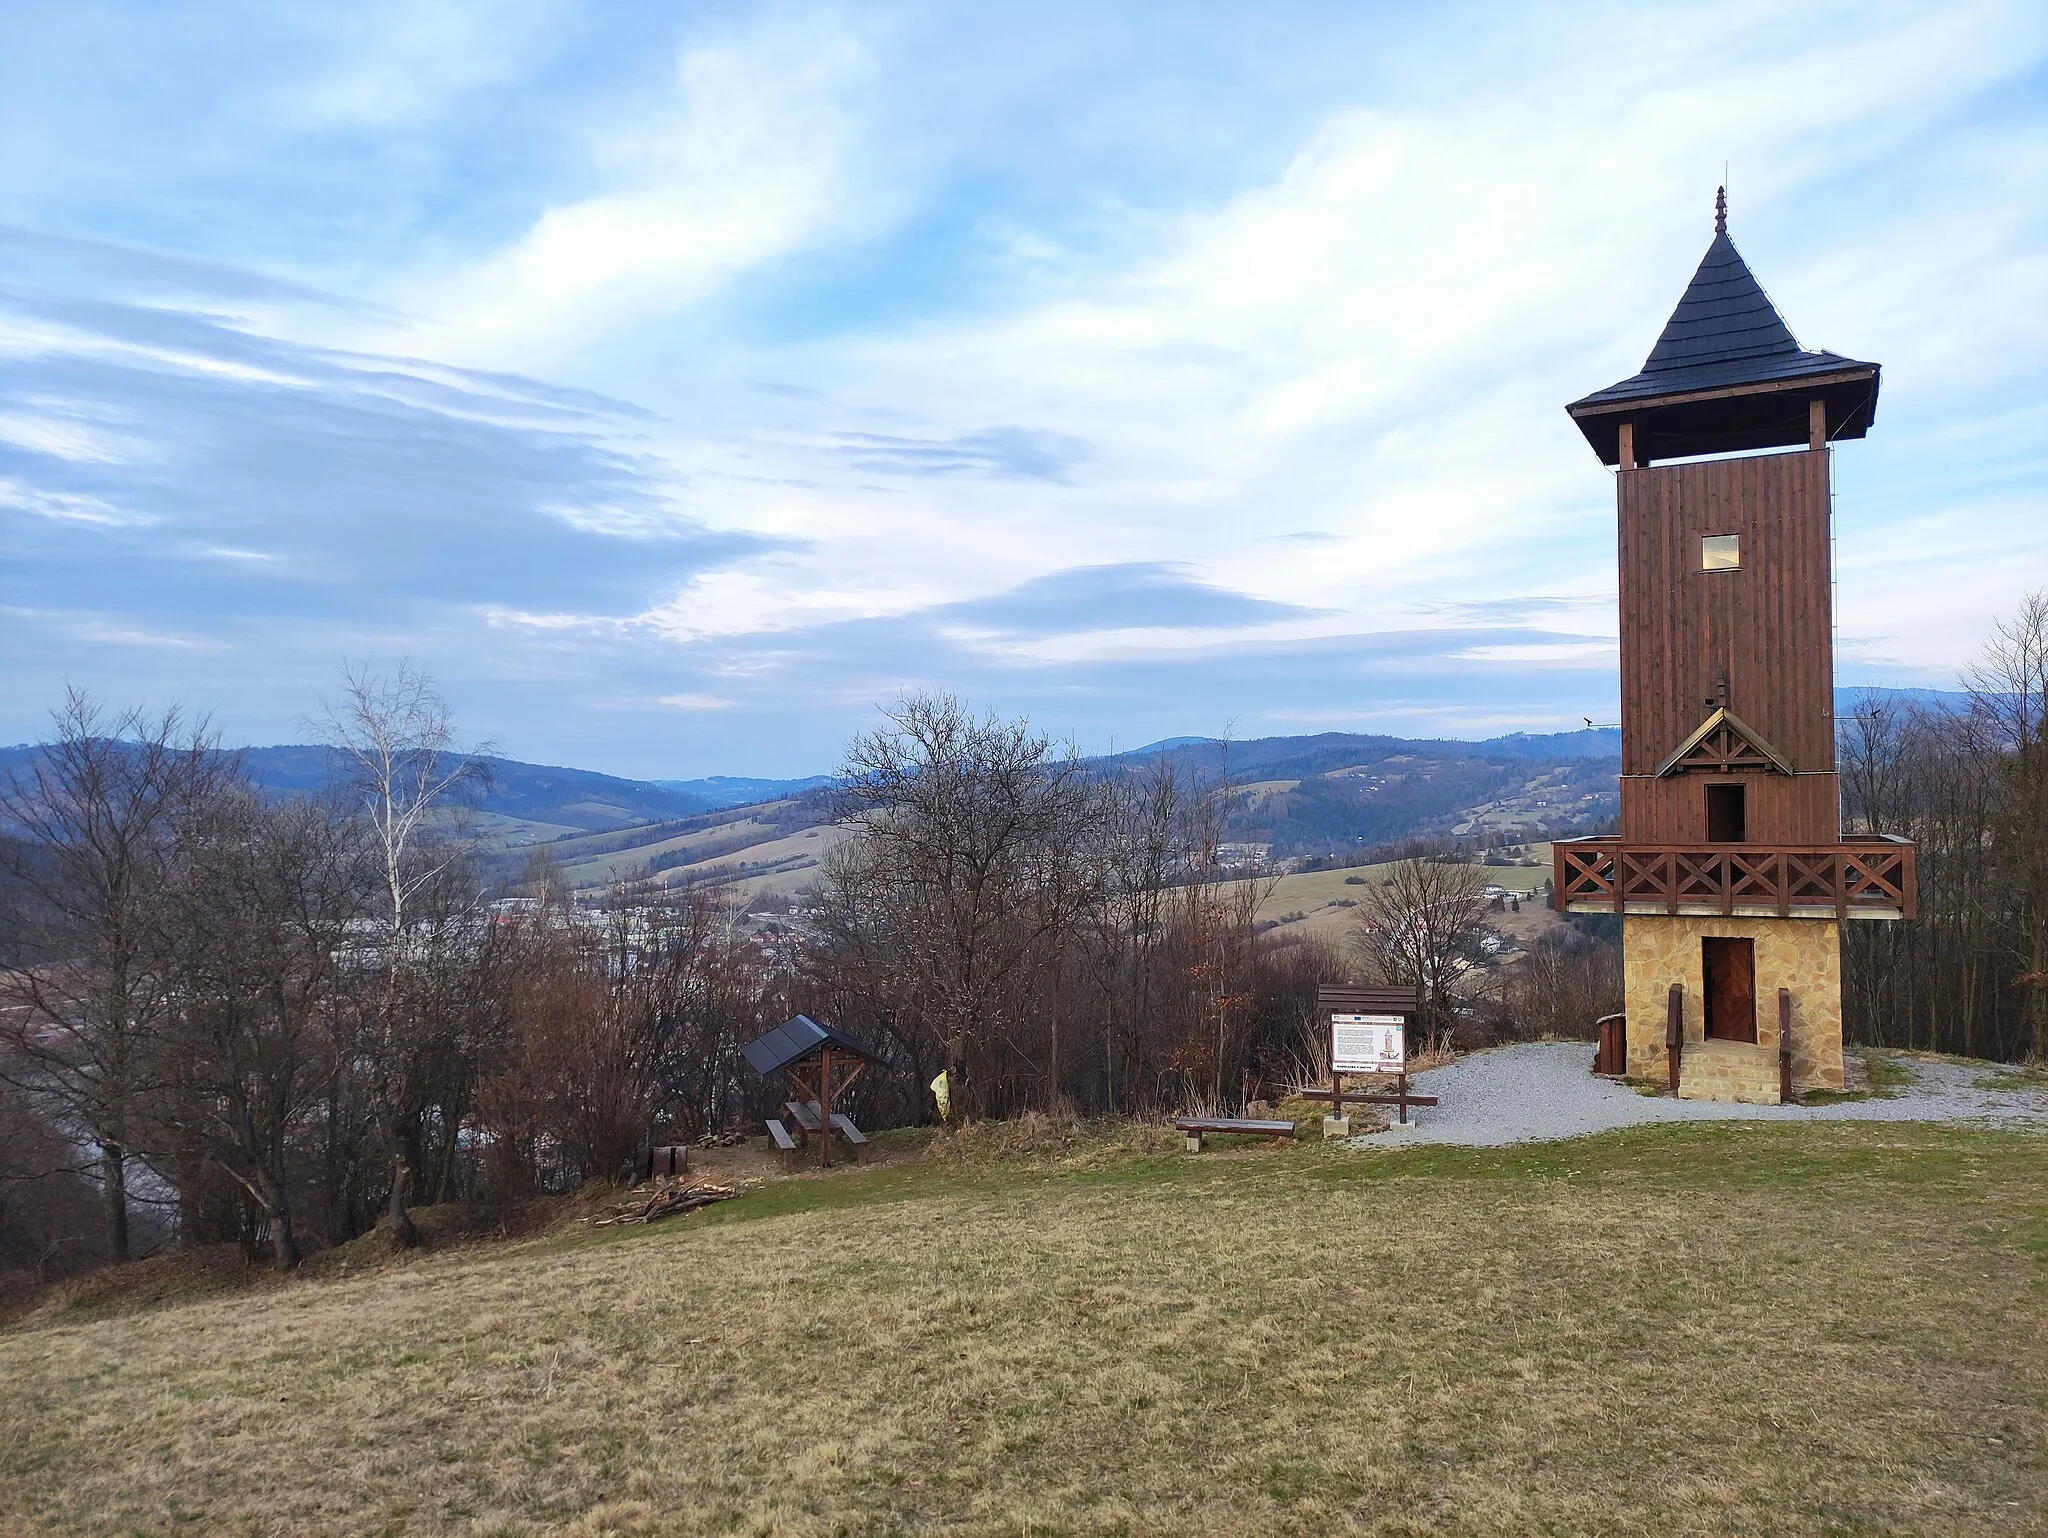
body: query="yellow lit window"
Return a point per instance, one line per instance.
(1721, 552)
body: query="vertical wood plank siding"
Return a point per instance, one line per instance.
(1767, 627)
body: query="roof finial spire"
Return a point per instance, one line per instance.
(1720, 210)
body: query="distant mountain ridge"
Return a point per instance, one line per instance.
(1322, 794)
(723, 790)
(544, 800)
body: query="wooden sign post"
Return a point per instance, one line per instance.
(1368, 1038)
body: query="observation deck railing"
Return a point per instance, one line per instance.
(1866, 877)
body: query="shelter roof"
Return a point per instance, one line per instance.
(1727, 374)
(796, 1039)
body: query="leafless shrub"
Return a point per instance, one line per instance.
(1558, 988)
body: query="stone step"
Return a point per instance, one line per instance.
(1739, 1071)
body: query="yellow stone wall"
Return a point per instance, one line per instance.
(1804, 955)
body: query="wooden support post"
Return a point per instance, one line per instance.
(1784, 1046)
(1674, 1032)
(1628, 445)
(825, 1109)
(1816, 424)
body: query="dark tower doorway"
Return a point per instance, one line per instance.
(1730, 968)
(1727, 814)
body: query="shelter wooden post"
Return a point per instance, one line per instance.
(825, 1108)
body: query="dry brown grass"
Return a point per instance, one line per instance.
(1731, 1328)
(1059, 1137)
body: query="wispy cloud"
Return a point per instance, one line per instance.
(743, 160)
(647, 373)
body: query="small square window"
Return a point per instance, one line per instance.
(1721, 552)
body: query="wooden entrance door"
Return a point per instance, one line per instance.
(1730, 967)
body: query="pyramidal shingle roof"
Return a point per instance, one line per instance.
(1725, 317)
(1725, 335)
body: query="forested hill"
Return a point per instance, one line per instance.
(521, 802)
(1335, 793)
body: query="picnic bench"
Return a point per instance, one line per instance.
(856, 1139)
(1195, 1128)
(784, 1143)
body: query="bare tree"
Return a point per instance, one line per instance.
(1157, 836)
(51, 1223)
(254, 939)
(2009, 692)
(396, 736)
(98, 807)
(970, 831)
(1420, 928)
(1870, 746)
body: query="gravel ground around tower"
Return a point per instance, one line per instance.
(1545, 1090)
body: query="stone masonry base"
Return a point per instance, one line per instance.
(1804, 955)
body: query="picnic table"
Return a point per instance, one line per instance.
(809, 1118)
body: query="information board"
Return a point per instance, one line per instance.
(1368, 1043)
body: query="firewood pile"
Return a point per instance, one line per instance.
(665, 1201)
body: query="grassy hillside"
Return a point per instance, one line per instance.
(1324, 902)
(1699, 1329)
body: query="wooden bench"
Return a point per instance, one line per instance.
(1196, 1128)
(855, 1138)
(784, 1143)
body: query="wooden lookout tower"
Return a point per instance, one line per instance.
(1730, 872)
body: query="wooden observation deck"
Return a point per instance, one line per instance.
(1870, 877)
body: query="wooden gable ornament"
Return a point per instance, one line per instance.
(1721, 744)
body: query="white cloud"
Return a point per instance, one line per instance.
(69, 507)
(399, 63)
(1337, 384)
(1377, 345)
(747, 160)
(67, 430)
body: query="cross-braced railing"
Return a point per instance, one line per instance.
(1869, 877)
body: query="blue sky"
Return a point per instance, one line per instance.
(676, 382)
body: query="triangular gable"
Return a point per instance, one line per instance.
(1721, 743)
